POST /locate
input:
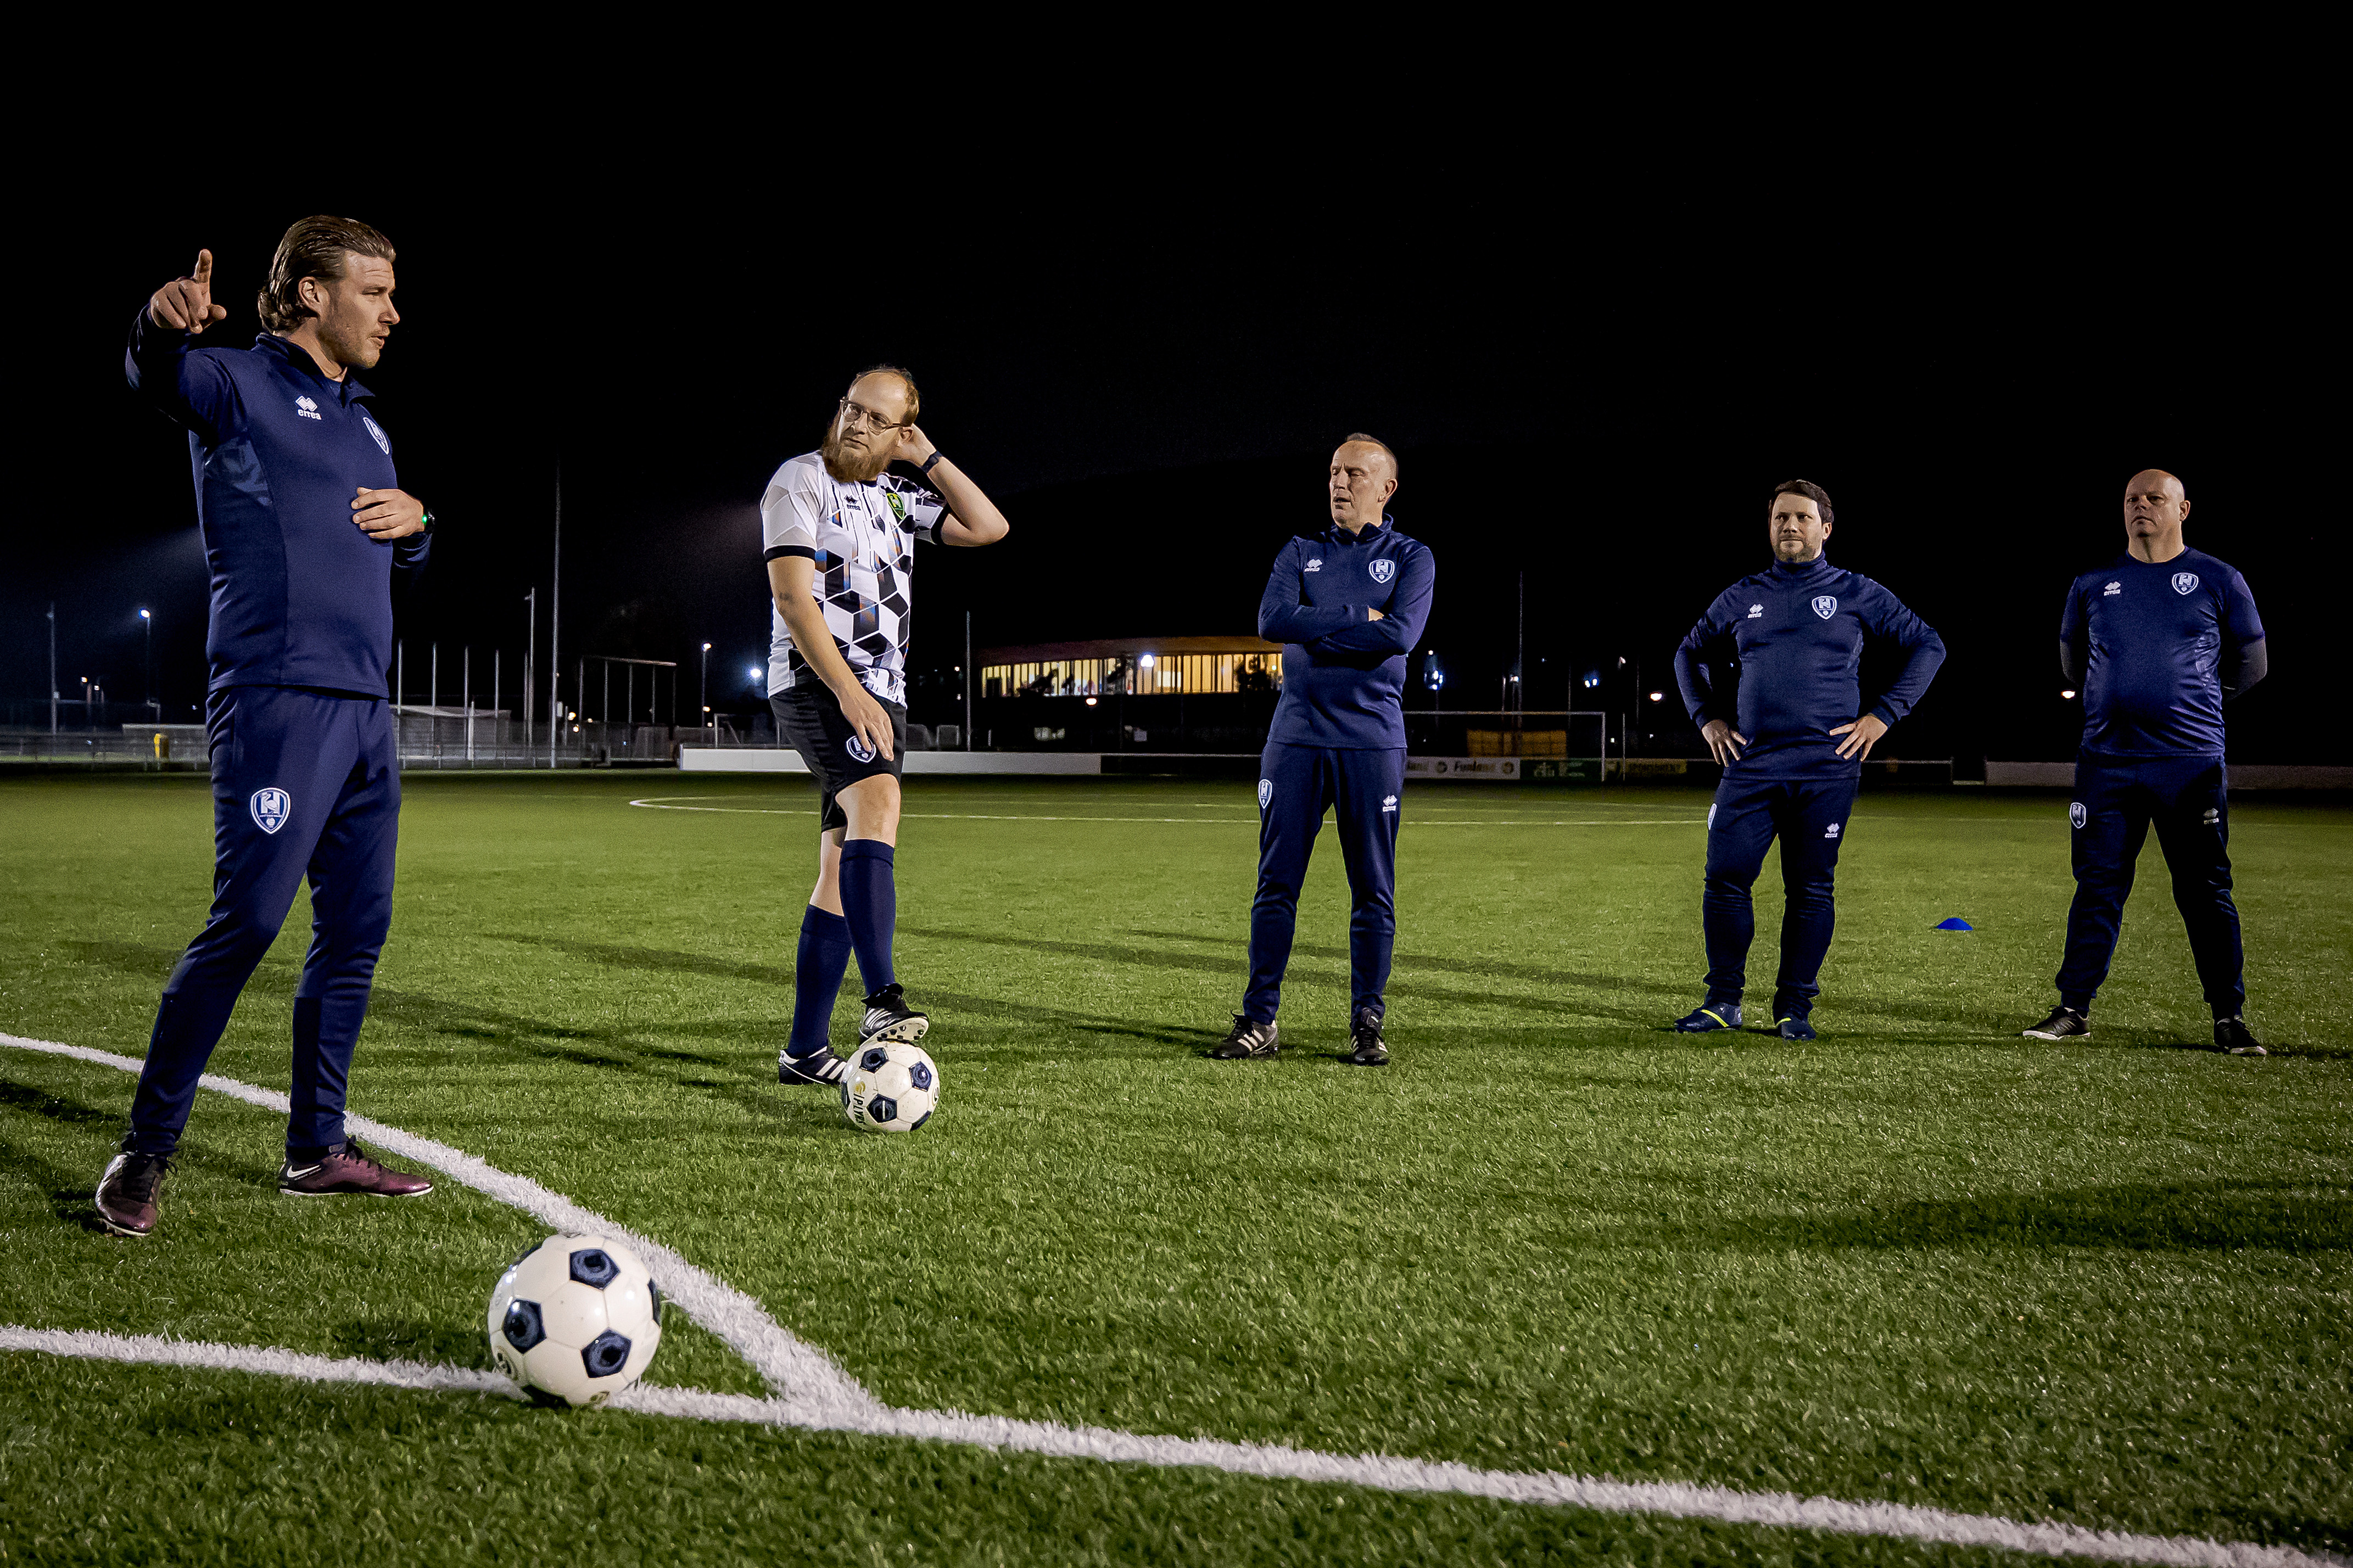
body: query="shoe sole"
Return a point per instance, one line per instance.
(2247, 1051)
(1355, 1061)
(114, 1229)
(347, 1193)
(905, 1032)
(2041, 1035)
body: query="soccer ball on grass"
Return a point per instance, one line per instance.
(889, 1087)
(575, 1320)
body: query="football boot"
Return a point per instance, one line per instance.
(822, 1068)
(891, 1020)
(1796, 1026)
(128, 1193)
(346, 1170)
(2065, 1024)
(1364, 1036)
(2231, 1035)
(1248, 1037)
(1706, 1019)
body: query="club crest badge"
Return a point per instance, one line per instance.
(2075, 813)
(898, 507)
(2185, 583)
(858, 749)
(1826, 606)
(270, 809)
(1265, 792)
(376, 430)
(1383, 570)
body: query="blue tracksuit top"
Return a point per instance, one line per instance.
(1343, 673)
(301, 595)
(1777, 656)
(2155, 636)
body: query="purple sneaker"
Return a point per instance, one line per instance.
(127, 1202)
(347, 1168)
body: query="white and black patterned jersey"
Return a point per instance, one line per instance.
(862, 541)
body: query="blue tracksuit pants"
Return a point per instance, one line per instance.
(1296, 784)
(303, 784)
(2115, 801)
(1809, 815)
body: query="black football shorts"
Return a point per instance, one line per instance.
(810, 719)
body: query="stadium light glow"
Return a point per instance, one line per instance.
(706, 648)
(752, 673)
(2066, 694)
(144, 615)
(1091, 701)
(1658, 696)
(1147, 661)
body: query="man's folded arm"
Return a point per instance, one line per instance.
(1282, 618)
(2242, 667)
(1399, 628)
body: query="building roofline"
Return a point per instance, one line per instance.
(1112, 648)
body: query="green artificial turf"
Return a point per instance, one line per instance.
(1922, 1260)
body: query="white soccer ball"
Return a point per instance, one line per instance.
(889, 1087)
(575, 1320)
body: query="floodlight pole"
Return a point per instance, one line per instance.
(53, 667)
(710, 719)
(968, 674)
(147, 623)
(555, 621)
(530, 652)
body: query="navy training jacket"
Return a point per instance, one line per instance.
(1344, 673)
(300, 596)
(1778, 655)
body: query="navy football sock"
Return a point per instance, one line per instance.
(869, 902)
(817, 979)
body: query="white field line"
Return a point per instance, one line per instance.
(802, 1376)
(1381, 1472)
(817, 1396)
(662, 802)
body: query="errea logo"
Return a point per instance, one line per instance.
(1832, 831)
(306, 408)
(1389, 803)
(1756, 612)
(2112, 588)
(1315, 564)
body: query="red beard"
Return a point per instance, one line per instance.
(850, 466)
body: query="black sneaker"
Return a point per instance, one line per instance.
(2065, 1024)
(822, 1068)
(1364, 1034)
(127, 1202)
(1796, 1026)
(1248, 1037)
(891, 1020)
(2231, 1035)
(1708, 1018)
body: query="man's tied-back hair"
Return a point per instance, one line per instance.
(1807, 489)
(314, 247)
(906, 379)
(1376, 441)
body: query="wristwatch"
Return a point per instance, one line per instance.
(427, 525)
(926, 469)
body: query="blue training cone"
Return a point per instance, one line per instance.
(1956, 923)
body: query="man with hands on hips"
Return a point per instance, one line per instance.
(304, 526)
(1770, 675)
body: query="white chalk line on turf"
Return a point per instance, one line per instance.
(663, 802)
(815, 1395)
(802, 1376)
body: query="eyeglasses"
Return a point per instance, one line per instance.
(852, 415)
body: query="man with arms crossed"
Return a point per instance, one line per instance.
(2157, 642)
(1348, 604)
(841, 534)
(304, 525)
(1796, 632)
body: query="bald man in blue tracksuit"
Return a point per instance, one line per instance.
(1770, 675)
(1348, 604)
(304, 526)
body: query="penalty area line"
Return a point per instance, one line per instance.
(1373, 1471)
(815, 1395)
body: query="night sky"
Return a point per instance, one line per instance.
(1593, 388)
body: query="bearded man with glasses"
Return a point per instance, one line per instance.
(841, 534)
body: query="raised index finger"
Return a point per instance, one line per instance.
(204, 273)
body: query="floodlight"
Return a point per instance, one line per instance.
(752, 673)
(1658, 696)
(2066, 694)
(144, 615)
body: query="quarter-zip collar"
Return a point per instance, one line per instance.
(1335, 534)
(1819, 566)
(348, 391)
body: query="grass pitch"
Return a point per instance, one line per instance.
(1921, 1260)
